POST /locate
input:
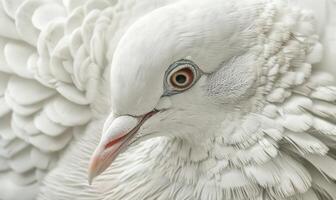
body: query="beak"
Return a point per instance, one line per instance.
(115, 139)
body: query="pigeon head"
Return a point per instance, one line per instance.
(176, 73)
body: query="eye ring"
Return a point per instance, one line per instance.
(181, 76)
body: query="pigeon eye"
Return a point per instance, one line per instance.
(182, 78)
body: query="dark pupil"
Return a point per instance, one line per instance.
(181, 79)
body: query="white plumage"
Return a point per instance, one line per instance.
(258, 123)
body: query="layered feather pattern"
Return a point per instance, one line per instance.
(284, 150)
(53, 61)
(44, 96)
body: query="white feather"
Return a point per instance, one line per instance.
(324, 93)
(6, 21)
(50, 144)
(27, 92)
(324, 164)
(55, 81)
(23, 20)
(19, 163)
(324, 126)
(306, 143)
(47, 13)
(297, 123)
(17, 55)
(66, 113)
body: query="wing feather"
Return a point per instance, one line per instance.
(17, 55)
(42, 96)
(50, 144)
(6, 21)
(53, 56)
(306, 143)
(324, 164)
(47, 126)
(19, 162)
(26, 92)
(64, 112)
(25, 123)
(23, 20)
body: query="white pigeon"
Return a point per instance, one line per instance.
(201, 99)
